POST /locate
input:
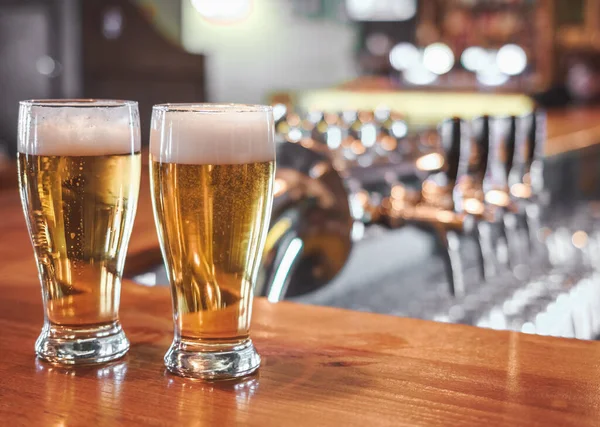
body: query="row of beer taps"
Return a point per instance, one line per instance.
(474, 179)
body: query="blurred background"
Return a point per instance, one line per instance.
(436, 158)
(251, 50)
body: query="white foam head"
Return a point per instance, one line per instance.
(212, 134)
(78, 127)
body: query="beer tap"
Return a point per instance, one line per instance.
(310, 234)
(489, 228)
(320, 202)
(526, 178)
(512, 225)
(440, 204)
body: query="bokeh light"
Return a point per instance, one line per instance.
(511, 59)
(404, 56)
(438, 58)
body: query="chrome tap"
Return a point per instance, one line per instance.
(440, 204)
(320, 202)
(526, 178)
(309, 237)
(337, 173)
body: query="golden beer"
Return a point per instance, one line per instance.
(80, 211)
(212, 169)
(79, 175)
(212, 220)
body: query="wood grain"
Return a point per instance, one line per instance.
(572, 129)
(321, 366)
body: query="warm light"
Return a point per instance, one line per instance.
(579, 239)
(330, 118)
(445, 216)
(357, 148)
(279, 187)
(388, 143)
(308, 125)
(365, 116)
(474, 58)
(398, 192)
(404, 56)
(497, 197)
(429, 187)
(223, 11)
(430, 162)
(473, 206)
(511, 59)
(386, 204)
(294, 120)
(362, 197)
(307, 143)
(520, 190)
(398, 204)
(438, 58)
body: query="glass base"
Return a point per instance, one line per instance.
(68, 345)
(212, 361)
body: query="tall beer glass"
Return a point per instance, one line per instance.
(212, 170)
(79, 175)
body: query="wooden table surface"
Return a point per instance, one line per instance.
(321, 366)
(572, 129)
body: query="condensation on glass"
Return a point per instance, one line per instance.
(79, 174)
(212, 170)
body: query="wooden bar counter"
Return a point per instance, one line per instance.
(321, 366)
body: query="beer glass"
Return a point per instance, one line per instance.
(79, 175)
(212, 168)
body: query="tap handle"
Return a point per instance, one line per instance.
(530, 144)
(502, 152)
(480, 127)
(509, 136)
(532, 135)
(451, 136)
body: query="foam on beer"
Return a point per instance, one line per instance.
(77, 131)
(228, 134)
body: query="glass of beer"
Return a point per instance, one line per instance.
(212, 168)
(79, 176)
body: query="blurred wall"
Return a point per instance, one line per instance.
(165, 15)
(269, 50)
(39, 57)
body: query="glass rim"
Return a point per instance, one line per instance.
(78, 103)
(212, 108)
